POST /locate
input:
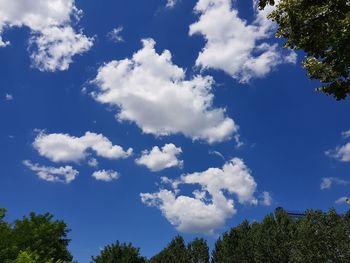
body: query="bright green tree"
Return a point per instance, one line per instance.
(26, 257)
(320, 28)
(119, 253)
(42, 235)
(38, 238)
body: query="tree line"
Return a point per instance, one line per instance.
(314, 237)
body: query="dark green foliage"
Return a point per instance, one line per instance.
(319, 237)
(119, 253)
(38, 238)
(198, 251)
(175, 252)
(322, 238)
(321, 28)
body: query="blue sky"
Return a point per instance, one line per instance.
(238, 128)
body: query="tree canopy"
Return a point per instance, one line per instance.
(37, 238)
(317, 237)
(196, 251)
(320, 28)
(119, 253)
(314, 237)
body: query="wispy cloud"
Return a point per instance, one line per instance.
(115, 36)
(327, 182)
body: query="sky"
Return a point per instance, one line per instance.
(141, 120)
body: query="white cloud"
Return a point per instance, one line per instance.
(327, 182)
(217, 153)
(60, 147)
(159, 159)
(346, 134)
(93, 162)
(64, 174)
(341, 153)
(171, 3)
(8, 97)
(106, 176)
(266, 199)
(342, 200)
(151, 91)
(53, 41)
(209, 208)
(115, 36)
(233, 45)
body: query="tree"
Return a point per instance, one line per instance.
(42, 235)
(35, 238)
(119, 253)
(321, 237)
(198, 251)
(236, 245)
(272, 237)
(321, 28)
(7, 251)
(26, 257)
(317, 237)
(175, 252)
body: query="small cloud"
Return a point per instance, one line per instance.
(64, 174)
(327, 182)
(341, 153)
(158, 159)
(346, 134)
(59, 147)
(238, 141)
(266, 199)
(8, 97)
(93, 162)
(106, 176)
(217, 153)
(115, 36)
(342, 200)
(171, 3)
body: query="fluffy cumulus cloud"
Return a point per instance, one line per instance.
(327, 182)
(151, 91)
(211, 204)
(233, 45)
(53, 40)
(60, 147)
(158, 159)
(106, 176)
(64, 174)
